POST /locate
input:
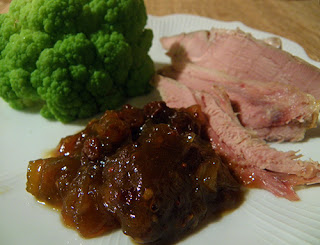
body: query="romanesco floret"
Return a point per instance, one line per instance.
(75, 58)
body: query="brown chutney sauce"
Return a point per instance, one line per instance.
(151, 172)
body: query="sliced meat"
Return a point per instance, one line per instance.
(276, 111)
(241, 55)
(253, 161)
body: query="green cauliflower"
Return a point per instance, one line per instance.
(74, 58)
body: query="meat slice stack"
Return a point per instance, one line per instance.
(274, 93)
(251, 159)
(275, 111)
(250, 92)
(241, 55)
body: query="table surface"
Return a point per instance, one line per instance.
(297, 20)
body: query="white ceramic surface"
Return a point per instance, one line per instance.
(261, 219)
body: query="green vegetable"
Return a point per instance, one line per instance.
(74, 58)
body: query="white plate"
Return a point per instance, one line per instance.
(261, 219)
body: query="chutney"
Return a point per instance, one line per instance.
(151, 172)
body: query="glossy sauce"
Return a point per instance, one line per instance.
(151, 172)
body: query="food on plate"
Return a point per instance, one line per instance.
(253, 161)
(239, 54)
(150, 171)
(74, 58)
(275, 111)
(258, 78)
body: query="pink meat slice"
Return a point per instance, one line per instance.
(275, 111)
(241, 55)
(253, 161)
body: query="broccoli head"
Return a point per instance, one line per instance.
(74, 58)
